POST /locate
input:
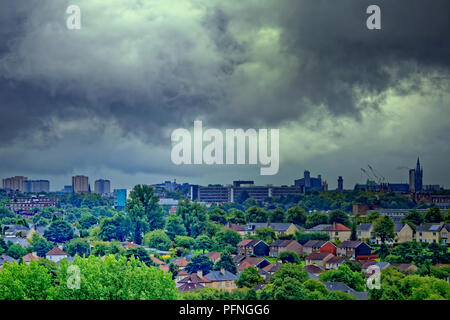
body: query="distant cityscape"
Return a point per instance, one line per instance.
(217, 193)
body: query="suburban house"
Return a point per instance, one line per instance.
(253, 247)
(272, 268)
(181, 275)
(258, 262)
(156, 260)
(318, 259)
(315, 246)
(364, 231)
(181, 262)
(242, 230)
(313, 271)
(56, 255)
(280, 246)
(340, 286)
(445, 231)
(405, 267)
(28, 257)
(222, 279)
(404, 232)
(193, 281)
(429, 232)
(15, 230)
(6, 259)
(335, 262)
(353, 249)
(337, 231)
(279, 228)
(213, 256)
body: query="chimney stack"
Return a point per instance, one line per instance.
(200, 273)
(222, 271)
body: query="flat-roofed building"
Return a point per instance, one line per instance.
(80, 184)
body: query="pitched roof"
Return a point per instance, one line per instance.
(340, 286)
(194, 278)
(244, 243)
(277, 226)
(28, 257)
(219, 276)
(213, 255)
(181, 262)
(313, 269)
(319, 227)
(282, 243)
(4, 259)
(235, 227)
(429, 227)
(244, 265)
(337, 227)
(156, 260)
(398, 227)
(164, 267)
(337, 260)
(273, 267)
(56, 252)
(349, 244)
(318, 256)
(314, 243)
(364, 227)
(190, 286)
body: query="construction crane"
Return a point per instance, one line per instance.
(367, 174)
(380, 179)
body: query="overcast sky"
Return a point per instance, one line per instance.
(103, 101)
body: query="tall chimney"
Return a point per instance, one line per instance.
(200, 273)
(222, 271)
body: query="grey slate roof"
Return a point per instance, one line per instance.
(218, 276)
(9, 259)
(319, 228)
(340, 286)
(20, 241)
(364, 227)
(314, 243)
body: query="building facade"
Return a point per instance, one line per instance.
(102, 186)
(80, 184)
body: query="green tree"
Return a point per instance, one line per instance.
(184, 241)
(139, 253)
(413, 218)
(315, 219)
(255, 214)
(40, 245)
(24, 282)
(265, 234)
(249, 278)
(16, 251)
(339, 216)
(153, 213)
(227, 237)
(384, 229)
(373, 216)
(157, 239)
(78, 246)
(87, 220)
(344, 274)
(194, 217)
(236, 216)
(433, 215)
(59, 231)
(289, 257)
(203, 242)
(226, 262)
(276, 215)
(304, 237)
(200, 262)
(175, 226)
(218, 215)
(114, 279)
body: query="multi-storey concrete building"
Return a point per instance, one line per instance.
(80, 184)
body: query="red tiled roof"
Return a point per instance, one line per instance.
(244, 266)
(164, 267)
(234, 227)
(181, 262)
(272, 267)
(338, 227)
(243, 243)
(213, 255)
(253, 261)
(156, 260)
(194, 278)
(313, 269)
(29, 257)
(56, 252)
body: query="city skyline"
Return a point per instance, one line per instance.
(91, 183)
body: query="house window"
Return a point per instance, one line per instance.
(420, 233)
